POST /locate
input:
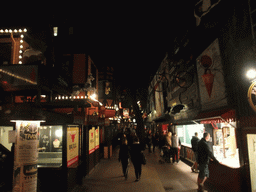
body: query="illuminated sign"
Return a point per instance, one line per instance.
(72, 145)
(252, 95)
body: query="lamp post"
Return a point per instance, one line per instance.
(27, 123)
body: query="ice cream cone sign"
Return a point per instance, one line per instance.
(208, 77)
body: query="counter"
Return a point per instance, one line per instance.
(222, 177)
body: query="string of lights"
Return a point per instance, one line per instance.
(16, 31)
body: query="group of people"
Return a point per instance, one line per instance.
(168, 143)
(170, 146)
(203, 155)
(131, 149)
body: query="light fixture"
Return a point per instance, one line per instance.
(251, 74)
(58, 133)
(93, 96)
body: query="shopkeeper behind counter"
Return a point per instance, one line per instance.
(225, 147)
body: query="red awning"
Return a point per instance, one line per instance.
(218, 116)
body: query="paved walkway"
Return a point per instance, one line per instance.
(156, 177)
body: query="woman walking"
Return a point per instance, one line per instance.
(136, 157)
(124, 156)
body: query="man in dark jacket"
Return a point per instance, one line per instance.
(204, 156)
(194, 143)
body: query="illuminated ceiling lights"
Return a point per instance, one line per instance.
(70, 97)
(16, 31)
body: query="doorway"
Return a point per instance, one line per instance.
(251, 142)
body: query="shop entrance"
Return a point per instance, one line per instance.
(251, 141)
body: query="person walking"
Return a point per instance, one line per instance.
(124, 156)
(176, 144)
(136, 157)
(194, 143)
(204, 156)
(149, 140)
(167, 148)
(154, 141)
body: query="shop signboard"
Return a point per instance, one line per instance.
(91, 140)
(26, 156)
(97, 139)
(212, 92)
(252, 95)
(72, 145)
(159, 101)
(126, 112)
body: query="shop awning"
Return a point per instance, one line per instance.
(217, 116)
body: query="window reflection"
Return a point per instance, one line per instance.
(50, 146)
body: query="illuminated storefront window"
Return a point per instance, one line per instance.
(50, 146)
(4, 137)
(225, 145)
(186, 132)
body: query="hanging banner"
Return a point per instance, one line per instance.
(97, 138)
(91, 140)
(211, 82)
(26, 156)
(72, 145)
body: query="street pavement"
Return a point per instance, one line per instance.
(156, 177)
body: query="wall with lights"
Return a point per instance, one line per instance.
(16, 38)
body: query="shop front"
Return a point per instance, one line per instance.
(59, 156)
(225, 176)
(6, 159)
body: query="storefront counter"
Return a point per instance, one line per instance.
(49, 159)
(224, 178)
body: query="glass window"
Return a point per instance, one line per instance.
(4, 137)
(186, 132)
(50, 146)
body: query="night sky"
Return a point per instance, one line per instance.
(133, 38)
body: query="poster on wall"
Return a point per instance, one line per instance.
(26, 156)
(97, 138)
(126, 112)
(211, 78)
(91, 140)
(72, 145)
(159, 101)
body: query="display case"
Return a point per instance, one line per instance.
(50, 146)
(225, 145)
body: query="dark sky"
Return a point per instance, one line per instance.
(133, 38)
